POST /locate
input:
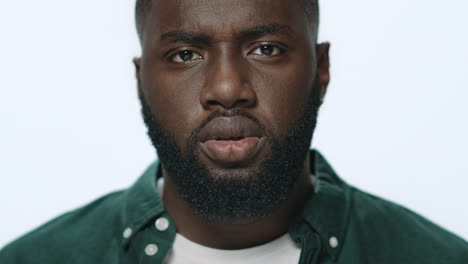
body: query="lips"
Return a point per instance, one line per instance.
(231, 140)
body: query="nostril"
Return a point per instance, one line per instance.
(212, 102)
(242, 101)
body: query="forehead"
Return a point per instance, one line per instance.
(223, 18)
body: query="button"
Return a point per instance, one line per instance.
(151, 249)
(162, 224)
(127, 232)
(333, 242)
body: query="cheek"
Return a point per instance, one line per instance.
(174, 102)
(283, 93)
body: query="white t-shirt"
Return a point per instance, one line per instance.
(280, 250)
(184, 251)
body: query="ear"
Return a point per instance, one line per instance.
(137, 64)
(323, 67)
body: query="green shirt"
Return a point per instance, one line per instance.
(338, 224)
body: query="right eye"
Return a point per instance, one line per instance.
(185, 56)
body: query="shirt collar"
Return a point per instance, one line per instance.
(141, 202)
(326, 211)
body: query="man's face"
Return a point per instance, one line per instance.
(230, 92)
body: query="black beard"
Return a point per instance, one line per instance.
(236, 194)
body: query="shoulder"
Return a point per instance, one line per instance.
(398, 231)
(68, 237)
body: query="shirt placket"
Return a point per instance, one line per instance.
(152, 243)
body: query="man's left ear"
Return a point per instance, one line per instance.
(137, 64)
(323, 67)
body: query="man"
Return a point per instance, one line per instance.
(230, 92)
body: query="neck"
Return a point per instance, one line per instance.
(237, 234)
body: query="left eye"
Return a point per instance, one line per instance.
(267, 50)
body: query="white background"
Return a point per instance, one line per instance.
(394, 121)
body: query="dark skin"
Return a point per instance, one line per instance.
(257, 55)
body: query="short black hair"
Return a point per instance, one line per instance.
(143, 7)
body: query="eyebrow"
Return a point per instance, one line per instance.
(250, 33)
(264, 30)
(186, 37)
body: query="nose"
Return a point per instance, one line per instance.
(227, 85)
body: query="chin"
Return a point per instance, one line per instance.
(240, 174)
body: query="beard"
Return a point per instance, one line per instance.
(236, 194)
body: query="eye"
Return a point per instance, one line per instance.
(267, 50)
(185, 56)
